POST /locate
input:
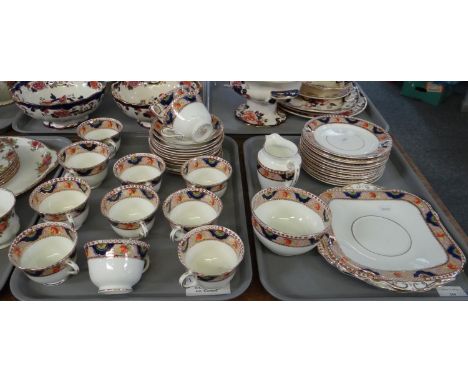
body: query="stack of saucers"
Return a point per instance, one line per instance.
(9, 162)
(341, 150)
(175, 152)
(326, 97)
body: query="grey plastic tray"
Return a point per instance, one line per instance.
(7, 114)
(26, 125)
(27, 216)
(160, 282)
(310, 277)
(223, 102)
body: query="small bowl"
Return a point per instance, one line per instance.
(73, 214)
(104, 130)
(289, 221)
(134, 98)
(126, 170)
(93, 174)
(214, 175)
(187, 213)
(62, 238)
(115, 266)
(59, 104)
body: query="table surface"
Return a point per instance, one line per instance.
(256, 292)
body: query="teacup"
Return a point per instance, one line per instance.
(208, 172)
(140, 168)
(115, 266)
(62, 200)
(46, 253)
(211, 255)
(130, 210)
(289, 221)
(190, 208)
(9, 221)
(186, 118)
(104, 130)
(86, 160)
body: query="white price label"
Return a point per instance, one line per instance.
(451, 291)
(199, 291)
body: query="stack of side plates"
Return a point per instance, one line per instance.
(176, 152)
(348, 101)
(344, 150)
(9, 161)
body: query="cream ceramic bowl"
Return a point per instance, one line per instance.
(289, 221)
(59, 104)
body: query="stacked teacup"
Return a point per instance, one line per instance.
(183, 129)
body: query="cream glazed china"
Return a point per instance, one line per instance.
(211, 255)
(190, 208)
(134, 98)
(46, 253)
(208, 172)
(87, 160)
(115, 266)
(9, 220)
(104, 130)
(36, 162)
(62, 200)
(130, 210)
(140, 168)
(278, 162)
(289, 221)
(391, 239)
(59, 104)
(185, 118)
(261, 106)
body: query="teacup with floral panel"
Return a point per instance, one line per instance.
(62, 200)
(9, 221)
(105, 130)
(211, 255)
(86, 160)
(208, 172)
(190, 208)
(46, 253)
(140, 168)
(130, 210)
(185, 117)
(115, 266)
(289, 221)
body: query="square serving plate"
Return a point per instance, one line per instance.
(390, 238)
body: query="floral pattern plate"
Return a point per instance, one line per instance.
(391, 239)
(36, 162)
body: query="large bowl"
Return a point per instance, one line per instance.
(134, 98)
(301, 211)
(59, 104)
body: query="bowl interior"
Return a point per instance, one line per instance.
(142, 93)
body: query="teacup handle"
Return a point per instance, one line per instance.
(143, 229)
(71, 172)
(147, 263)
(177, 233)
(74, 267)
(188, 279)
(112, 145)
(156, 111)
(297, 172)
(168, 132)
(70, 219)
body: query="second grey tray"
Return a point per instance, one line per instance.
(223, 102)
(7, 115)
(309, 276)
(26, 215)
(26, 125)
(160, 282)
